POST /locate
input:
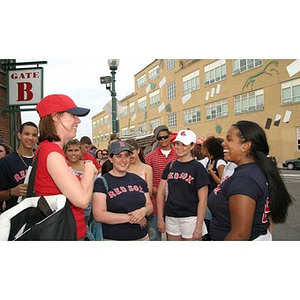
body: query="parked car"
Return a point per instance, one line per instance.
(292, 164)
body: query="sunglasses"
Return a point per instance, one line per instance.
(162, 137)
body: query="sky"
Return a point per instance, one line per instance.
(80, 80)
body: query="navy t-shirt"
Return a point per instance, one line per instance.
(12, 173)
(184, 181)
(249, 180)
(125, 194)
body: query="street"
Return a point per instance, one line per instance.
(290, 230)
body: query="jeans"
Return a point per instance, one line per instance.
(154, 234)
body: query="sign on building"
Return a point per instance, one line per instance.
(25, 86)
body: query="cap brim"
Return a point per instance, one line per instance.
(78, 111)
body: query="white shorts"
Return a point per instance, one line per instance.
(184, 227)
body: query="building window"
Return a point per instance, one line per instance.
(124, 112)
(94, 125)
(172, 120)
(154, 123)
(101, 138)
(154, 73)
(106, 136)
(298, 139)
(142, 104)
(243, 65)
(154, 98)
(132, 129)
(191, 115)
(105, 120)
(142, 127)
(191, 82)
(124, 131)
(101, 121)
(141, 81)
(216, 109)
(290, 92)
(215, 72)
(170, 64)
(98, 124)
(252, 101)
(131, 108)
(172, 90)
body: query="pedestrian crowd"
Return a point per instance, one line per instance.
(186, 188)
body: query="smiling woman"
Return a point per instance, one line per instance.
(59, 120)
(124, 202)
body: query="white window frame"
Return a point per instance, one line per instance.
(124, 111)
(290, 86)
(131, 108)
(172, 120)
(215, 72)
(141, 81)
(171, 90)
(249, 102)
(216, 110)
(142, 127)
(298, 139)
(170, 64)
(153, 73)
(142, 104)
(191, 82)
(154, 98)
(244, 65)
(192, 115)
(124, 131)
(154, 123)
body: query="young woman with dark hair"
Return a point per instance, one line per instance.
(242, 205)
(138, 164)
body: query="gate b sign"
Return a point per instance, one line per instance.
(25, 86)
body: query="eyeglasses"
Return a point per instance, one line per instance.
(162, 137)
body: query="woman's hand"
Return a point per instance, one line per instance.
(161, 225)
(197, 235)
(136, 216)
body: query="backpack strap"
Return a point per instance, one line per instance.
(105, 183)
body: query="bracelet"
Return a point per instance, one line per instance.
(9, 193)
(87, 161)
(199, 232)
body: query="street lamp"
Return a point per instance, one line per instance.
(110, 85)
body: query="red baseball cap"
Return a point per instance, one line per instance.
(59, 103)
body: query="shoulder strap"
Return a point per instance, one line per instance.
(105, 183)
(30, 188)
(171, 165)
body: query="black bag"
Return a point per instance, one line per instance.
(44, 218)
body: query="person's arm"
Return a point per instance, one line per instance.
(79, 193)
(214, 176)
(101, 214)
(19, 190)
(202, 196)
(160, 200)
(241, 210)
(149, 179)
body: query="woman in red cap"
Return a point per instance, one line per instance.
(58, 124)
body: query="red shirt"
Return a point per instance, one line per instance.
(44, 184)
(89, 156)
(157, 160)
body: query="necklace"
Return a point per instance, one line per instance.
(23, 161)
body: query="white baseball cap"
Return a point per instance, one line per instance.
(186, 137)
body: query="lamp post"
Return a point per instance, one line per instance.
(113, 66)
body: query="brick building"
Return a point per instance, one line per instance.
(208, 95)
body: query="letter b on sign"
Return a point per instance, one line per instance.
(24, 91)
